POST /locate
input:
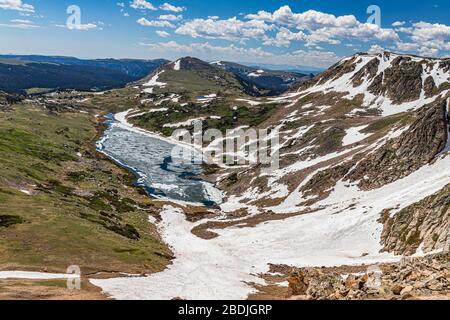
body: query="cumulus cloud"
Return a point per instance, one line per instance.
(424, 31)
(17, 5)
(142, 4)
(426, 39)
(207, 51)
(284, 38)
(171, 17)
(376, 49)
(168, 7)
(312, 27)
(231, 29)
(162, 34)
(155, 23)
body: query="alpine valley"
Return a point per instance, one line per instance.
(362, 190)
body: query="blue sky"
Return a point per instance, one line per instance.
(295, 33)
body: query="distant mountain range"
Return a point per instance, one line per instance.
(30, 74)
(36, 74)
(288, 68)
(269, 82)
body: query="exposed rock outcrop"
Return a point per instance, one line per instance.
(424, 225)
(415, 148)
(369, 71)
(402, 82)
(411, 279)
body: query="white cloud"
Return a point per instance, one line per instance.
(155, 23)
(83, 27)
(171, 17)
(162, 34)
(424, 31)
(142, 4)
(168, 7)
(231, 29)
(311, 27)
(284, 38)
(376, 49)
(207, 51)
(17, 5)
(399, 24)
(319, 27)
(22, 21)
(19, 25)
(426, 39)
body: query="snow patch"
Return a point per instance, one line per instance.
(153, 82)
(354, 135)
(177, 65)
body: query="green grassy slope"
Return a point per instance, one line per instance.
(79, 210)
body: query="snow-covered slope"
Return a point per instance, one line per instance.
(389, 82)
(368, 121)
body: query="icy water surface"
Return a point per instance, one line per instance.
(149, 158)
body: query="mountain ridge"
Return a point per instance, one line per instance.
(22, 74)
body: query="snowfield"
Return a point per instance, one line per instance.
(222, 268)
(153, 82)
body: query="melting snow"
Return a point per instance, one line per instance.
(256, 74)
(177, 65)
(153, 82)
(354, 135)
(186, 123)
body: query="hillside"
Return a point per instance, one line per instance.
(62, 203)
(267, 82)
(370, 134)
(370, 127)
(34, 74)
(191, 76)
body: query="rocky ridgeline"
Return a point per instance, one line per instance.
(416, 147)
(400, 78)
(411, 279)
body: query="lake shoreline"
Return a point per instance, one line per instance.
(213, 195)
